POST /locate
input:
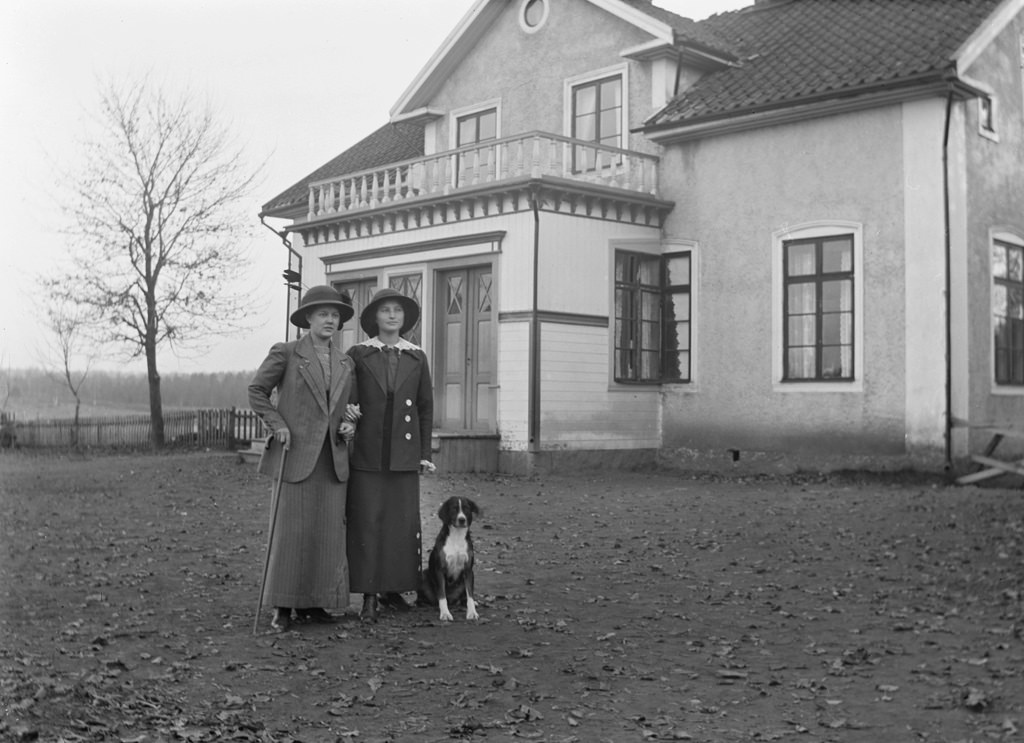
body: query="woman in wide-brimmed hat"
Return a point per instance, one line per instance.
(315, 381)
(396, 402)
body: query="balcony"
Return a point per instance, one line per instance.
(479, 180)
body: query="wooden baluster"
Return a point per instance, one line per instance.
(312, 203)
(501, 152)
(416, 171)
(535, 157)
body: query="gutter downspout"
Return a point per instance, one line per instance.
(533, 412)
(948, 423)
(283, 235)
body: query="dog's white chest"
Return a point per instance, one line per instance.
(456, 552)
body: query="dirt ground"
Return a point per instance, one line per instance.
(615, 607)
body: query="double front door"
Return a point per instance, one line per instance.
(464, 374)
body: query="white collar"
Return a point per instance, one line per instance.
(402, 345)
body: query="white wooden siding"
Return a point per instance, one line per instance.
(576, 261)
(513, 385)
(580, 409)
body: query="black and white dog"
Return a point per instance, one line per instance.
(449, 573)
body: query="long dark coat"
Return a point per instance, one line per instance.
(411, 416)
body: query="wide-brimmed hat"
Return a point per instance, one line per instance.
(322, 295)
(368, 317)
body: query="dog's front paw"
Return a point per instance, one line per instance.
(471, 610)
(445, 614)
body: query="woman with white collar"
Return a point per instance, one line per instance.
(392, 448)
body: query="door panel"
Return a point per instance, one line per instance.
(465, 328)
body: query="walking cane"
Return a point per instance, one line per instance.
(270, 539)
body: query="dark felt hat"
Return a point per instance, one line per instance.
(368, 317)
(322, 295)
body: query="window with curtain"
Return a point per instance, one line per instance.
(652, 317)
(818, 312)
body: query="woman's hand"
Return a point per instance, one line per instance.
(353, 413)
(427, 467)
(347, 431)
(284, 436)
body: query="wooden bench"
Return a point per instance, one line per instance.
(992, 467)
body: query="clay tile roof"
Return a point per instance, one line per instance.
(392, 143)
(688, 32)
(792, 50)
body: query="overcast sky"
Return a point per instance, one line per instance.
(297, 82)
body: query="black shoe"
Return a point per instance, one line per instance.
(315, 616)
(282, 621)
(371, 609)
(394, 601)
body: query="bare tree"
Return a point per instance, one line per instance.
(68, 346)
(159, 229)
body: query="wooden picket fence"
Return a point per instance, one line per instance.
(229, 428)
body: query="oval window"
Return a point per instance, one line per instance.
(534, 13)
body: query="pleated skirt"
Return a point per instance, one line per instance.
(384, 549)
(308, 564)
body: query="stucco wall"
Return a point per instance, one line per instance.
(994, 192)
(732, 193)
(527, 71)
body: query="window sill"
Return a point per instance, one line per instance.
(855, 386)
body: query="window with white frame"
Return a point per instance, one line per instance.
(818, 309)
(597, 114)
(653, 298)
(533, 14)
(476, 165)
(1008, 311)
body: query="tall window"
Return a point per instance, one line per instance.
(596, 117)
(1008, 311)
(411, 285)
(360, 292)
(652, 317)
(818, 309)
(482, 126)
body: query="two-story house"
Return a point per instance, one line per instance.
(794, 228)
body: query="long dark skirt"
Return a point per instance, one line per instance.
(384, 531)
(308, 562)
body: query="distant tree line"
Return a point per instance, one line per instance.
(38, 390)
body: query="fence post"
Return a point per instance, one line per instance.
(231, 428)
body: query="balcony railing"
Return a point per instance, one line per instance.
(531, 155)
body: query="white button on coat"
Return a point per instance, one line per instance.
(408, 437)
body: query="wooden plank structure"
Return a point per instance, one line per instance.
(990, 465)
